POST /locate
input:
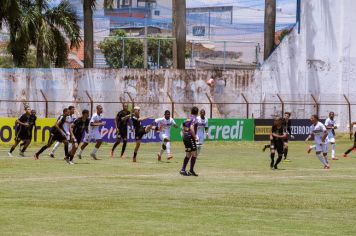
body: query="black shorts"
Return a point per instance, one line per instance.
(22, 134)
(122, 134)
(190, 144)
(140, 132)
(56, 136)
(79, 138)
(278, 146)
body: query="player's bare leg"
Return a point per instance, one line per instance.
(13, 148)
(96, 148)
(138, 144)
(349, 150)
(26, 144)
(123, 148)
(84, 145)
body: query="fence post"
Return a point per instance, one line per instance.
(247, 105)
(123, 53)
(280, 99)
(211, 105)
(224, 55)
(91, 102)
(46, 100)
(131, 99)
(316, 104)
(349, 106)
(159, 54)
(172, 102)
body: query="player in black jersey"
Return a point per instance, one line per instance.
(121, 129)
(77, 130)
(32, 124)
(140, 130)
(57, 134)
(354, 146)
(287, 124)
(23, 123)
(277, 137)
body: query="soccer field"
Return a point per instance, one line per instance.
(235, 194)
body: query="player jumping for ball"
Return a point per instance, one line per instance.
(189, 140)
(164, 125)
(94, 133)
(319, 131)
(354, 146)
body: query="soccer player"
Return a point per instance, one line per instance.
(202, 130)
(287, 124)
(277, 137)
(94, 133)
(140, 130)
(57, 133)
(22, 134)
(77, 130)
(330, 124)
(69, 120)
(189, 140)
(319, 131)
(121, 129)
(354, 146)
(164, 125)
(32, 124)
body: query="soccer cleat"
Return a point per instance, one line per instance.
(112, 154)
(134, 159)
(93, 156)
(309, 149)
(67, 159)
(344, 155)
(183, 173)
(22, 154)
(79, 156)
(122, 157)
(286, 160)
(275, 167)
(51, 155)
(159, 158)
(334, 158)
(192, 173)
(10, 154)
(326, 167)
(36, 157)
(170, 157)
(71, 162)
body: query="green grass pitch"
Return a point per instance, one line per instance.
(235, 194)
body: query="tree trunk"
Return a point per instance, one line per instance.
(88, 34)
(179, 33)
(270, 27)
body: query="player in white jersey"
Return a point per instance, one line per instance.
(202, 129)
(319, 131)
(66, 126)
(164, 125)
(94, 133)
(330, 124)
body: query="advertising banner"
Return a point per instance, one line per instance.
(300, 129)
(222, 130)
(40, 133)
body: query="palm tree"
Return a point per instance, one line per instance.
(46, 28)
(9, 12)
(88, 7)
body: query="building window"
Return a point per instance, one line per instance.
(157, 13)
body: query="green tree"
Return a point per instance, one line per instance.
(47, 29)
(88, 8)
(161, 49)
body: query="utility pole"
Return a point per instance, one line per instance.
(145, 49)
(179, 33)
(270, 27)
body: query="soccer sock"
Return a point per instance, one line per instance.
(198, 149)
(123, 148)
(80, 151)
(42, 150)
(135, 155)
(326, 159)
(115, 145)
(168, 149)
(12, 149)
(321, 158)
(185, 163)
(333, 150)
(71, 157)
(285, 153)
(56, 146)
(350, 150)
(192, 163)
(278, 160)
(24, 148)
(272, 159)
(66, 153)
(94, 151)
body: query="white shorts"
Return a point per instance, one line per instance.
(331, 140)
(164, 136)
(321, 148)
(93, 135)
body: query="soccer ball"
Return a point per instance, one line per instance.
(210, 82)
